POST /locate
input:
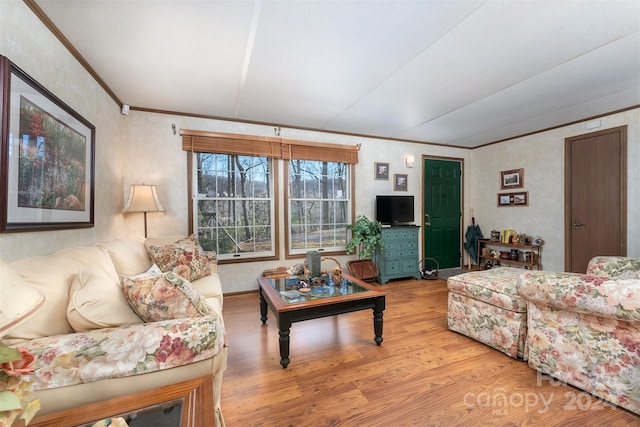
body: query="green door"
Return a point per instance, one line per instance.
(442, 226)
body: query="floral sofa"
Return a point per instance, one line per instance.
(584, 329)
(118, 318)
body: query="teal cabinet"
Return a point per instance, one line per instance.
(399, 255)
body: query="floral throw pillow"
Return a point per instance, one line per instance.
(184, 257)
(164, 296)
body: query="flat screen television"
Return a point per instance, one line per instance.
(394, 210)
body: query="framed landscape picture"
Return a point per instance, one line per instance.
(381, 170)
(400, 182)
(512, 179)
(48, 158)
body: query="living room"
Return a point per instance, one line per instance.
(142, 146)
(119, 164)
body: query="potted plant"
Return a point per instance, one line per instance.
(367, 238)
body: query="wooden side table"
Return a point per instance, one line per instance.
(195, 398)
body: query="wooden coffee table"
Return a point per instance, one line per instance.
(290, 305)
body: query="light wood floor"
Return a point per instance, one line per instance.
(422, 374)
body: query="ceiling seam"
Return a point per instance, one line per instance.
(251, 39)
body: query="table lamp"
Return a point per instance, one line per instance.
(143, 198)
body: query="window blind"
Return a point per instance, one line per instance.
(251, 145)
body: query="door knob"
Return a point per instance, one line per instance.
(427, 220)
(577, 224)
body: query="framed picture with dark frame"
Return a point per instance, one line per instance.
(381, 170)
(512, 179)
(47, 158)
(400, 182)
(513, 199)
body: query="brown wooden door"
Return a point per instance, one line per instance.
(595, 218)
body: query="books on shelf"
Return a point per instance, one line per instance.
(506, 235)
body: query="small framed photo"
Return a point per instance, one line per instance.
(513, 199)
(512, 179)
(381, 170)
(400, 182)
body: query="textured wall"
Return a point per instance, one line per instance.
(542, 158)
(30, 45)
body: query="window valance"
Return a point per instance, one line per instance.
(251, 145)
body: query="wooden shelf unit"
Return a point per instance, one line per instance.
(535, 262)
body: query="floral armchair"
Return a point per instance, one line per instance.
(584, 329)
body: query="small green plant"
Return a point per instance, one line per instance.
(367, 237)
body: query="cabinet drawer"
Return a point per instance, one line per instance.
(390, 235)
(400, 246)
(391, 246)
(400, 235)
(409, 265)
(392, 267)
(400, 254)
(411, 234)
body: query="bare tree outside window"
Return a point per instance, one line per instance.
(319, 205)
(233, 204)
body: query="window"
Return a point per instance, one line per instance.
(319, 205)
(234, 204)
(234, 185)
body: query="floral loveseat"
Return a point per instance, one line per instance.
(584, 329)
(119, 318)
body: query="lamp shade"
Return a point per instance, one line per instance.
(143, 198)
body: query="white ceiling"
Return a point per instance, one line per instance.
(462, 73)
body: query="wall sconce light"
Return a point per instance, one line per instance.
(143, 198)
(409, 161)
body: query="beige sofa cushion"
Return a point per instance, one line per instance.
(18, 299)
(97, 301)
(52, 275)
(210, 288)
(129, 256)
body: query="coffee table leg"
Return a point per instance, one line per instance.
(263, 308)
(284, 330)
(377, 320)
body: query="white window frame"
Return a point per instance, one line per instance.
(198, 197)
(348, 197)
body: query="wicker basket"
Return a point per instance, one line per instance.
(337, 270)
(363, 269)
(427, 271)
